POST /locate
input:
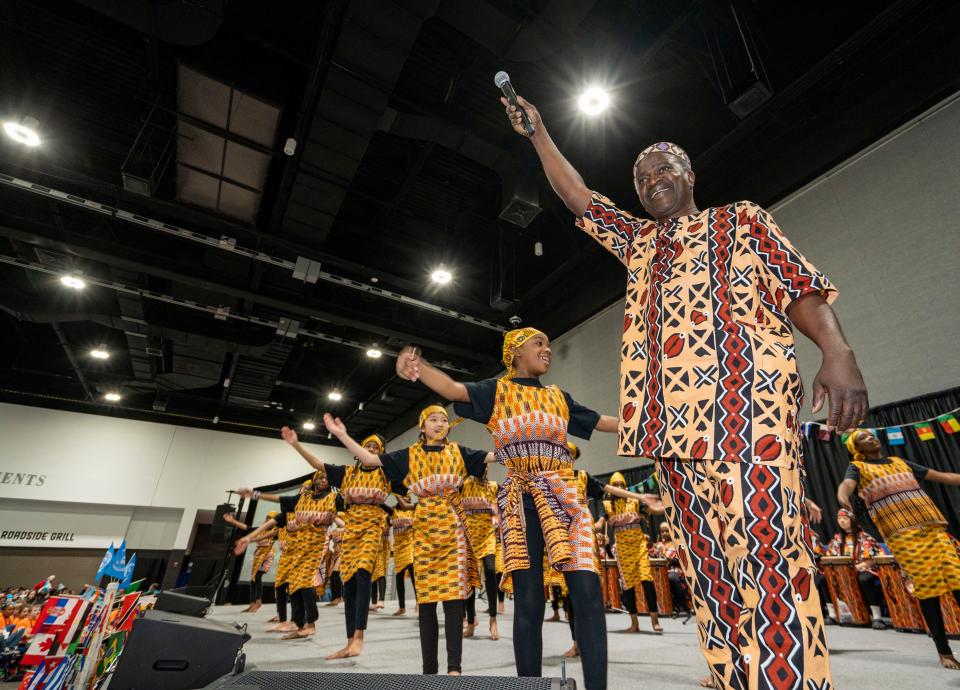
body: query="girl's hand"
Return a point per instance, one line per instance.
(288, 435)
(245, 492)
(408, 363)
(334, 425)
(241, 546)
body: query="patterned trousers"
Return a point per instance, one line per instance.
(741, 533)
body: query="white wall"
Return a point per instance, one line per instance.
(92, 459)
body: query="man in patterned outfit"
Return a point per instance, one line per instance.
(709, 388)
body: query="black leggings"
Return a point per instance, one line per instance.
(590, 630)
(336, 585)
(870, 586)
(490, 578)
(649, 592)
(430, 635)
(281, 595)
(933, 615)
(256, 587)
(402, 588)
(379, 588)
(303, 605)
(356, 594)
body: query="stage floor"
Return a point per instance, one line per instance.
(861, 658)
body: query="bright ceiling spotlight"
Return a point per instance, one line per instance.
(441, 276)
(73, 282)
(112, 397)
(99, 353)
(594, 100)
(335, 396)
(23, 132)
(374, 353)
(309, 426)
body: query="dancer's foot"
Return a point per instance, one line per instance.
(555, 618)
(249, 609)
(634, 624)
(255, 606)
(494, 630)
(454, 673)
(355, 648)
(287, 626)
(334, 602)
(339, 654)
(708, 682)
(373, 608)
(632, 629)
(572, 652)
(295, 635)
(949, 661)
(379, 606)
(878, 624)
(400, 612)
(468, 629)
(655, 624)
(309, 630)
(275, 619)
(501, 608)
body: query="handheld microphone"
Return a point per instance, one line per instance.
(502, 80)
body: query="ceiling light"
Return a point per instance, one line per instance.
(374, 353)
(73, 282)
(441, 276)
(334, 395)
(99, 353)
(309, 426)
(23, 132)
(112, 397)
(594, 100)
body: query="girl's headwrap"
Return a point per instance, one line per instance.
(375, 438)
(437, 409)
(513, 340)
(852, 444)
(272, 514)
(574, 451)
(617, 478)
(843, 512)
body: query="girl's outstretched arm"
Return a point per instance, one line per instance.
(411, 366)
(339, 431)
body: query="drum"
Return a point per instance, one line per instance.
(611, 583)
(843, 585)
(904, 607)
(661, 580)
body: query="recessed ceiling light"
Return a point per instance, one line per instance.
(374, 353)
(594, 100)
(99, 353)
(309, 426)
(73, 282)
(441, 276)
(112, 397)
(23, 132)
(335, 395)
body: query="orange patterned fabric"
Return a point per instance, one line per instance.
(263, 556)
(529, 429)
(708, 361)
(363, 492)
(480, 502)
(312, 516)
(630, 541)
(402, 524)
(444, 566)
(894, 498)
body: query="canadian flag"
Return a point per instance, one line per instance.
(39, 649)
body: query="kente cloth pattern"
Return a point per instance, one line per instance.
(383, 556)
(312, 516)
(363, 492)
(444, 565)
(894, 498)
(630, 541)
(740, 534)
(402, 524)
(263, 555)
(480, 502)
(708, 359)
(529, 430)
(929, 557)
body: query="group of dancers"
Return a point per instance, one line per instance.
(709, 389)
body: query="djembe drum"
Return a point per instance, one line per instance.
(843, 585)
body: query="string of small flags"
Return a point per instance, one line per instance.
(925, 429)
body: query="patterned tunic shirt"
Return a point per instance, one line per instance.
(708, 362)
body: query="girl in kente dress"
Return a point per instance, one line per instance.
(363, 492)
(539, 508)
(401, 522)
(480, 501)
(444, 565)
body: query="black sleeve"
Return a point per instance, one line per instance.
(339, 503)
(583, 420)
(852, 473)
(288, 504)
(919, 471)
(482, 395)
(475, 461)
(387, 509)
(281, 520)
(335, 474)
(594, 487)
(599, 509)
(399, 488)
(396, 465)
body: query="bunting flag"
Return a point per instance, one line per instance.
(924, 431)
(949, 423)
(844, 436)
(895, 436)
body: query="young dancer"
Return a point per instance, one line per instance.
(363, 491)
(313, 510)
(627, 518)
(378, 585)
(539, 509)
(480, 501)
(910, 523)
(332, 548)
(445, 567)
(401, 522)
(262, 560)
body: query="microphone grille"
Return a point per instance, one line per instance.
(501, 78)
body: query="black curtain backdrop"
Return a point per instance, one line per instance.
(827, 461)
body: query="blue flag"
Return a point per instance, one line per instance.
(119, 562)
(895, 436)
(128, 572)
(105, 562)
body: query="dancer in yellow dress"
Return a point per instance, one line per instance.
(378, 584)
(480, 501)
(401, 522)
(445, 568)
(629, 522)
(911, 525)
(262, 561)
(364, 492)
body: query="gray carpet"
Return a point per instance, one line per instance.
(860, 658)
